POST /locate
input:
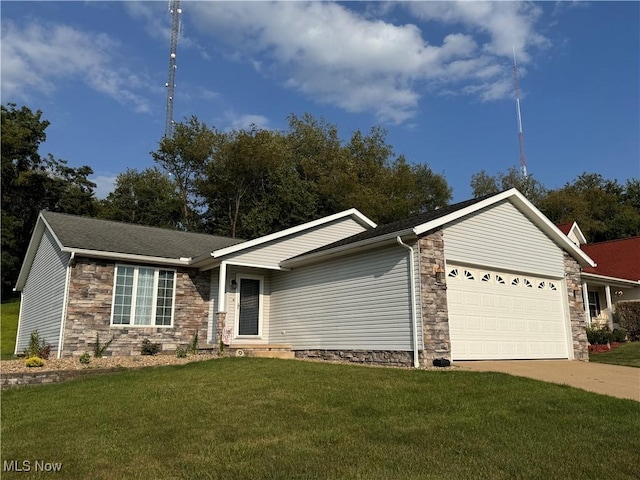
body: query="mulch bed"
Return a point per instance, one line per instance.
(603, 348)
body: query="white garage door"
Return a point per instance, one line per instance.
(495, 315)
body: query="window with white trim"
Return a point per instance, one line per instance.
(143, 296)
(594, 304)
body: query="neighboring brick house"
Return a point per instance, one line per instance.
(489, 278)
(615, 278)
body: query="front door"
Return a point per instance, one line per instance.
(249, 307)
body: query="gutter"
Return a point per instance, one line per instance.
(65, 299)
(414, 320)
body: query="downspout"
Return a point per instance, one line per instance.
(63, 322)
(414, 320)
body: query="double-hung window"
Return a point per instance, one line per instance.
(594, 304)
(143, 296)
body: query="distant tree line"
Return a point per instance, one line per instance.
(251, 182)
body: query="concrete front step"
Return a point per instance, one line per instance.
(262, 351)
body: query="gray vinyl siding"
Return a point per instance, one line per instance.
(43, 295)
(501, 237)
(272, 253)
(356, 302)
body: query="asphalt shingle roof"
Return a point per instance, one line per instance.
(108, 236)
(615, 258)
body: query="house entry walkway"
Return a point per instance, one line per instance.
(613, 380)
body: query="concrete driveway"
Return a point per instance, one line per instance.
(613, 380)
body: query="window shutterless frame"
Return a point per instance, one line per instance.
(129, 297)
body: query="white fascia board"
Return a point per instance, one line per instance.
(32, 249)
(525, 207)
(357, 216)
(603, 279)
(256, 265)
(129, 257)
(553, 232)
(344, 249)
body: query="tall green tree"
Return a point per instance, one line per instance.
(484, 184)
(604, 208)
(30, 183)
(149, 197)
(184, 156)
(257, 181)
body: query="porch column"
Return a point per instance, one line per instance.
(585, 299)
(221, 317)
(222, 288)
(607, 291)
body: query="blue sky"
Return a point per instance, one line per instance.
(436, 75)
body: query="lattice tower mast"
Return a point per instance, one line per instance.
(175, 11)
(523, 158)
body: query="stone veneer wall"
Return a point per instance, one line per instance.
(382, 357)
(89, 312)
(435, 311)
(576, 309)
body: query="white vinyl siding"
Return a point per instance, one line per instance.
(43, 295)
(143, 296)
(272, 253)
(502, 237)
(358, 302)
(231, 300)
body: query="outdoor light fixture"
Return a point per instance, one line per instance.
(234, 284)
(439, 274)
(618, 293)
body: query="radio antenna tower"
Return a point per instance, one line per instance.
(523, 158)
(175, 11)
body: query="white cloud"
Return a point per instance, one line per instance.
(508, 24)
(245, 121)
(37, 56)
(363, 64)
(105, 184)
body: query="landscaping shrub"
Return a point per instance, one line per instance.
(37, 347)
(628, 314)
(599, 335)
(619, 335)
(85, 359)
(34, 362)
(193, 345)
(98, 350)
(181, 352)
(149, 348)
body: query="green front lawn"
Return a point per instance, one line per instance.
(627, 355)
(262, 418)
(8, 328)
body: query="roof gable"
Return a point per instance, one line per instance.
(352, 213)
(94, 237)
(572, 230)
(615, 258)
(422, 223)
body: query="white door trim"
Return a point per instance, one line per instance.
(239, 278)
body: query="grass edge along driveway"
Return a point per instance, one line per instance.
(265, 418)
